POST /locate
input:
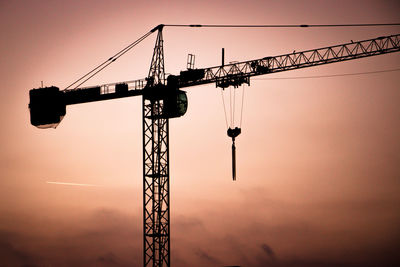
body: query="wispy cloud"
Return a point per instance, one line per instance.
(72, 184)
(268, 250)
(104, 238)
(207, 257)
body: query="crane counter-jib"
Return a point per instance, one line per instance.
(48, 105)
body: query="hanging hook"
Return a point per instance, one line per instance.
(233, 133)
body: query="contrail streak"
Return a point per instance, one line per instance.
(74, 184)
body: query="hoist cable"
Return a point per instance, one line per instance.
(234, 106)
(230, 103)
(223, 103)
(281, 25)
(108, 61)
(241, 110)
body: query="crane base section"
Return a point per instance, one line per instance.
(47, 107)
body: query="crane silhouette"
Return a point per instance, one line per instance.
(163, 99)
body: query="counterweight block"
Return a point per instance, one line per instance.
(47, 107)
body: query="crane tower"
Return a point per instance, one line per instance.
(162, 99)
(156, 234)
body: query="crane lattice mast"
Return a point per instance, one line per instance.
(156, 235)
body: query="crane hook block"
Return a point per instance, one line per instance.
(47, 107)
(233, 133)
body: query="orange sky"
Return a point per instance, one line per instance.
(318, 163)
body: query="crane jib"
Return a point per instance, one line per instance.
(47, 105)
(240, 72)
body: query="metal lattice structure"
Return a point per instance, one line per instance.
(161, 100)
(240, 72)
(156, 235)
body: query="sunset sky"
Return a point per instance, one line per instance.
(318, 162)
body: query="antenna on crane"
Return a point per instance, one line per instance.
(223, 57)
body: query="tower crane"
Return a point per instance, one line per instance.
(163, 99)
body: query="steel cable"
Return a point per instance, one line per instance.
(108, 61)
(281, 25)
